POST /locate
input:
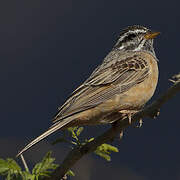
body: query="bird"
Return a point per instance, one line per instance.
(119, 87)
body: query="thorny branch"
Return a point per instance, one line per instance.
(149, 111)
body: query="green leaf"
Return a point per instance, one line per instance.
(12, 171)
(109, 147)
(75, 132)
(103, 155)
(9, 169)
(104, 150)
(12, 164)
(79, 130)
(70, 173)
(27, 176)
(45, 167)
(72, 129)
(91, 139)
(3, 166)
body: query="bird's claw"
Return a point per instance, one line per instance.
(140, 124)
(155, 113)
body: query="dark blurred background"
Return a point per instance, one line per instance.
(47, 48)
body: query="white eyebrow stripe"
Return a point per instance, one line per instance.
(137, 31)
(131, 32)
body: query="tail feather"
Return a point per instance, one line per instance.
(54, 128)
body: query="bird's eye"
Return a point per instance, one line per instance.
(131, 36)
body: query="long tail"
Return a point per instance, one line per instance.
(54, 128)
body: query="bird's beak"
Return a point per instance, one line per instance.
(151, 35)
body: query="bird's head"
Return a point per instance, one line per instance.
(136, 38)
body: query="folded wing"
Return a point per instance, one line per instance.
(104, 83)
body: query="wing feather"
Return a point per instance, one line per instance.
(115, 78)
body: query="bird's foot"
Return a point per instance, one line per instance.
(140, 124)
(154, 114)
(128, 114)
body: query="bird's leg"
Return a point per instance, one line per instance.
(154, 114)
(128, 114)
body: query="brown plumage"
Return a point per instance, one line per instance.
(122, 84)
